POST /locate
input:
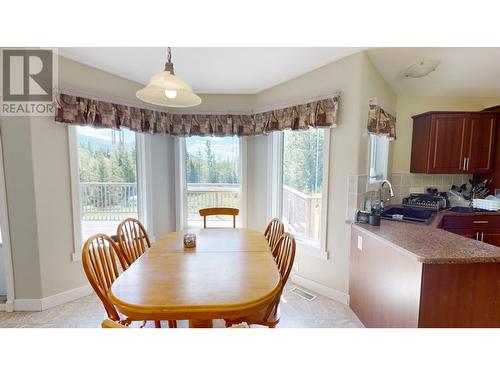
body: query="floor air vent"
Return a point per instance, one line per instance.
(302, 293)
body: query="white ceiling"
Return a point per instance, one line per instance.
(463, 72)
(212, 70)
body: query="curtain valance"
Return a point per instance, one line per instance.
(381, 121)
(77, 110)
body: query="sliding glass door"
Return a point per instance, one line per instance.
(212, 178)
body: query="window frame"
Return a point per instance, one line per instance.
(375, 184)
(181, 187)
(275, 193)
(142, 181)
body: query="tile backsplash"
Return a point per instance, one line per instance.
(406, 183)
(402, 183)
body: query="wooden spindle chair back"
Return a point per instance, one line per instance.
(285, 255)
(269, 316)
(103, 263)
(274, 231)
(205, 212)
(133, 239)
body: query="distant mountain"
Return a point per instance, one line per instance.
(94, 144)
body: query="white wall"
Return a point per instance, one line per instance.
(162, 184)
(20, 191)
(257, 177)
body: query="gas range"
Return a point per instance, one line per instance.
(433, 202)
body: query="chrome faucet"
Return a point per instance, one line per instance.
(380, 203)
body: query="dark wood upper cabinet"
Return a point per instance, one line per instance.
(451, 142)
(447, 143)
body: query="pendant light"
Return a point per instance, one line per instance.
(166, 89)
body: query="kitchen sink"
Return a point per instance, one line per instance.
(411, 215)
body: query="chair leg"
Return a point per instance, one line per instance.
(125, 322)
(157, 324)
(172, 324)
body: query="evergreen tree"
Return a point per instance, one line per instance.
(193, 177)
(103, 167)
(213, 173)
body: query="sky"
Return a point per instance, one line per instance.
(223, 147)
(105, 134)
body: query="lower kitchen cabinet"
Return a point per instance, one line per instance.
(484, 228)
(491, 236)
(469, 233)
(388, 287)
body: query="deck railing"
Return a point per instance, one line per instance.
(108, 200)
(302, 213)
(118, 200)
(210, 195)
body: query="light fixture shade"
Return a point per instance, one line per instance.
(422, 68)
(154, 92)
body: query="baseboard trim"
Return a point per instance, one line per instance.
(320, 289)
(7, 306)
(51, 301)
(27, 305)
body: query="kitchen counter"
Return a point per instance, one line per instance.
(430, 244)
(415, 275)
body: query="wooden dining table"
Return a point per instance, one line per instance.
(230, 273)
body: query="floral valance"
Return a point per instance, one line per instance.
(380, 121)
(77, 110)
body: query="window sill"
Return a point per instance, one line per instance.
(316, 252)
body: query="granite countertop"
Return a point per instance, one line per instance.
(430, 244)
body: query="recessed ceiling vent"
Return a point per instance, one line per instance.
(302, 293)
(422, 68)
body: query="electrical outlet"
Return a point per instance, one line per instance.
(360, 243)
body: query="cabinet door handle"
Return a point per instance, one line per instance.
(477, 236)
(467, 165)
(482, 236)
(463, 165)
(480, 221)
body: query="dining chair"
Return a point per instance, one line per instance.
(132, 238)
(133, 241)
(108, 323)
(103, 262)
(270, 315)
(274, 231)
(204, 212)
